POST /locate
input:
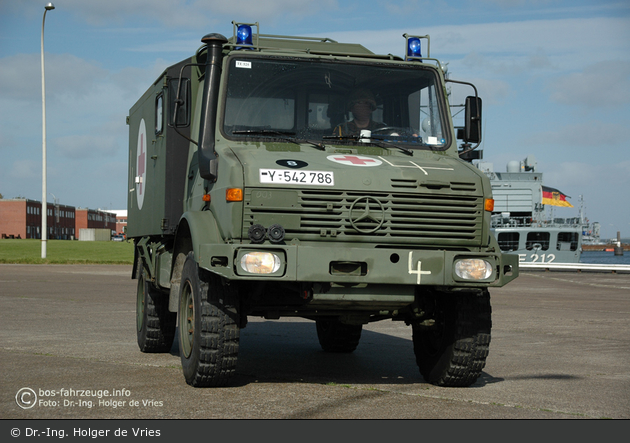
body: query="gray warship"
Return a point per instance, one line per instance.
(520, 222)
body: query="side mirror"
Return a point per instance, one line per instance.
(472, 130)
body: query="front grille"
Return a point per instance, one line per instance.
(421, 218)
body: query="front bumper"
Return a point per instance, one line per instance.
(343, 264)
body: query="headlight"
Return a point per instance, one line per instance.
(258, 262)
(473, 269)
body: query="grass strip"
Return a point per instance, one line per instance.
(29, 251)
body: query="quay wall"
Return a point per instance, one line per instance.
(606, 247)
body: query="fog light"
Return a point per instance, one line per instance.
(256, 233)
(473, 269)
(257, 262)
(275, 233)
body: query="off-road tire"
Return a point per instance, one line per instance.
(335, 336)
(208, 327)
(155, 324)
(454, 351)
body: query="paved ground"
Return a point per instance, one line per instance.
(560, 350)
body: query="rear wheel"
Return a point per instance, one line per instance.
(208, 327)
(335, 336)
(453, 352)
(155, 324)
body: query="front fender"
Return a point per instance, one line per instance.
(195, 229)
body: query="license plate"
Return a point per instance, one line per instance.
(287, 177)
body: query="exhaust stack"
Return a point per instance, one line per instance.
(208, 161)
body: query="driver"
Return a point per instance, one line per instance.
(361, 103)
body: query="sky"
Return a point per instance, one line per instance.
(554, 76)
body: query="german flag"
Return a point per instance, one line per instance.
(554, 197)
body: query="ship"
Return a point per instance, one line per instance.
(520, 221)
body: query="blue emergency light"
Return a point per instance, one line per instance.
(244, 37)
(414, 47)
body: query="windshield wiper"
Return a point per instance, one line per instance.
(380, 143)
(385, 145)
(288, 136)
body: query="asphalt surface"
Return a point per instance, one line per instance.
(560, 350)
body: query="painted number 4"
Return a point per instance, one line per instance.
(418, 271)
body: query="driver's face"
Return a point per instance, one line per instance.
(362, 109)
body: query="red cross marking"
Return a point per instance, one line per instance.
(354, 160)
(141, 162)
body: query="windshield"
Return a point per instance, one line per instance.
(334, 102)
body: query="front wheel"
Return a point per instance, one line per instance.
(453, 351)
(208, 327)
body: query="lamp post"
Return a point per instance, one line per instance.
(47, 8)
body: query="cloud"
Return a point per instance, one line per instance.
(601, 85)
(85, 146)
(594, 134)
(66, 75)
(533, 61)
(193, 14)
(596, 183)
(26, 169)
(130, 83)
(185, 46)
(404, 7)
(580, 175)
(560, 44)
(492, 92)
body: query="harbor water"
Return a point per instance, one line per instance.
(605, 258)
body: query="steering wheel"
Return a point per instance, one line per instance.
(396, 131)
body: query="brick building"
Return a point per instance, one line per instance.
(21, 218)
(94, 218)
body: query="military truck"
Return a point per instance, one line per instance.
(256, 189)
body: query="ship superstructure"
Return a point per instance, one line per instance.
(519, 219)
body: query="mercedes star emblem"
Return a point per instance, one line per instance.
(367, 210)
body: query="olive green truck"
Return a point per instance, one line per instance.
(274, 176)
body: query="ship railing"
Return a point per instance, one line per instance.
(500, 221)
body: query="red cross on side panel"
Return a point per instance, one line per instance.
(141, 162)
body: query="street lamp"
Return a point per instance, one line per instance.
(47, 8)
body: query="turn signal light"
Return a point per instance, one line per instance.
(489, 205)
(234, 195)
